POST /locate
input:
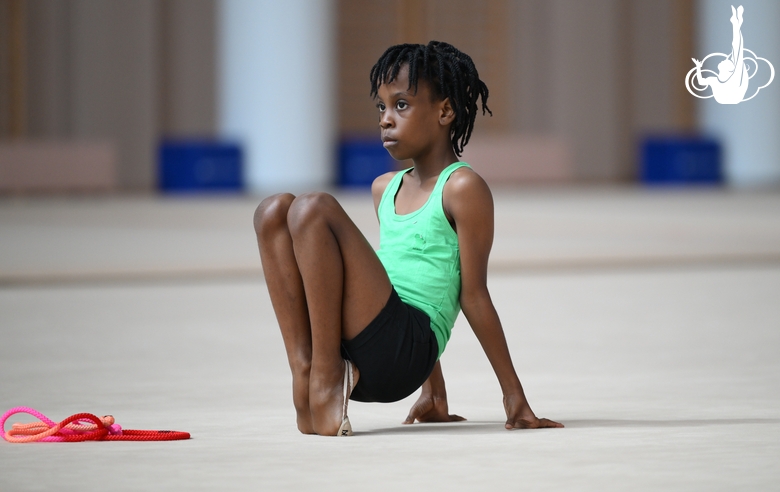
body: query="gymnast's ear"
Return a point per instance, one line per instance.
(446, 113)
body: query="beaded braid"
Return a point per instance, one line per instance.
(450, 72)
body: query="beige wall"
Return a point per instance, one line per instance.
(188, 97)
(595, 73)
(120, 71)
(114, 81)
(13, 82)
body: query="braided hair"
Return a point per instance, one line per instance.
(451, 74)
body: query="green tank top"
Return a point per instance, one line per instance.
(421, 255)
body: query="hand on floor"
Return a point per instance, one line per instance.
(520, 416)
(431, 409)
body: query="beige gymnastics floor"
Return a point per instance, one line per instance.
(663, 365)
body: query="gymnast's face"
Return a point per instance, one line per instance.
(409, 121)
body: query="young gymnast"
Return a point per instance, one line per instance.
(371, 325)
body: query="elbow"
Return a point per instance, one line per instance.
(474, 301)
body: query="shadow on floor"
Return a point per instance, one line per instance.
(467, 427)
(484, 427)
(590, 423)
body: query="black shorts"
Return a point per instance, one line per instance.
(395, 353)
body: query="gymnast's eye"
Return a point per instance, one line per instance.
(381, 107)
(401, 105)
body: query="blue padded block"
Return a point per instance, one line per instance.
(362, 160)
(681, 160)
(198, 165)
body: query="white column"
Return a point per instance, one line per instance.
(276, 91)
(750, 130)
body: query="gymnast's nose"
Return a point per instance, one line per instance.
(385, 121)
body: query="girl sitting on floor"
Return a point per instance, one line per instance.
(371, 325)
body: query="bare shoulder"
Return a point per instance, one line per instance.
(378, 188)
(381, 182)
(466, 190)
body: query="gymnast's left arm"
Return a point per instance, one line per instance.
(469, 202)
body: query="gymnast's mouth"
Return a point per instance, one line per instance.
(387, 141)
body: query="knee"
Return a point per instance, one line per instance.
(307, 208)
(272, 212)
(300, 363)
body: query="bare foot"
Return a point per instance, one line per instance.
(326, 399)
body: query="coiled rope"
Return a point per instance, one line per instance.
(78, 427)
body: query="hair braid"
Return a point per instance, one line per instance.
(451, 74)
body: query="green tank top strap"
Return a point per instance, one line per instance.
(445, 175)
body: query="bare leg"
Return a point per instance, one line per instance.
(346, 286)
(285, 288)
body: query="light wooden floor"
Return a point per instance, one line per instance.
(647, 322)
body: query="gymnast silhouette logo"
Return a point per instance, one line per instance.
(730, 84)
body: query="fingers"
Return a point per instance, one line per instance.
(410, 419)
(426, 410)
(532, 424)
(418, 411)
(414, 414)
